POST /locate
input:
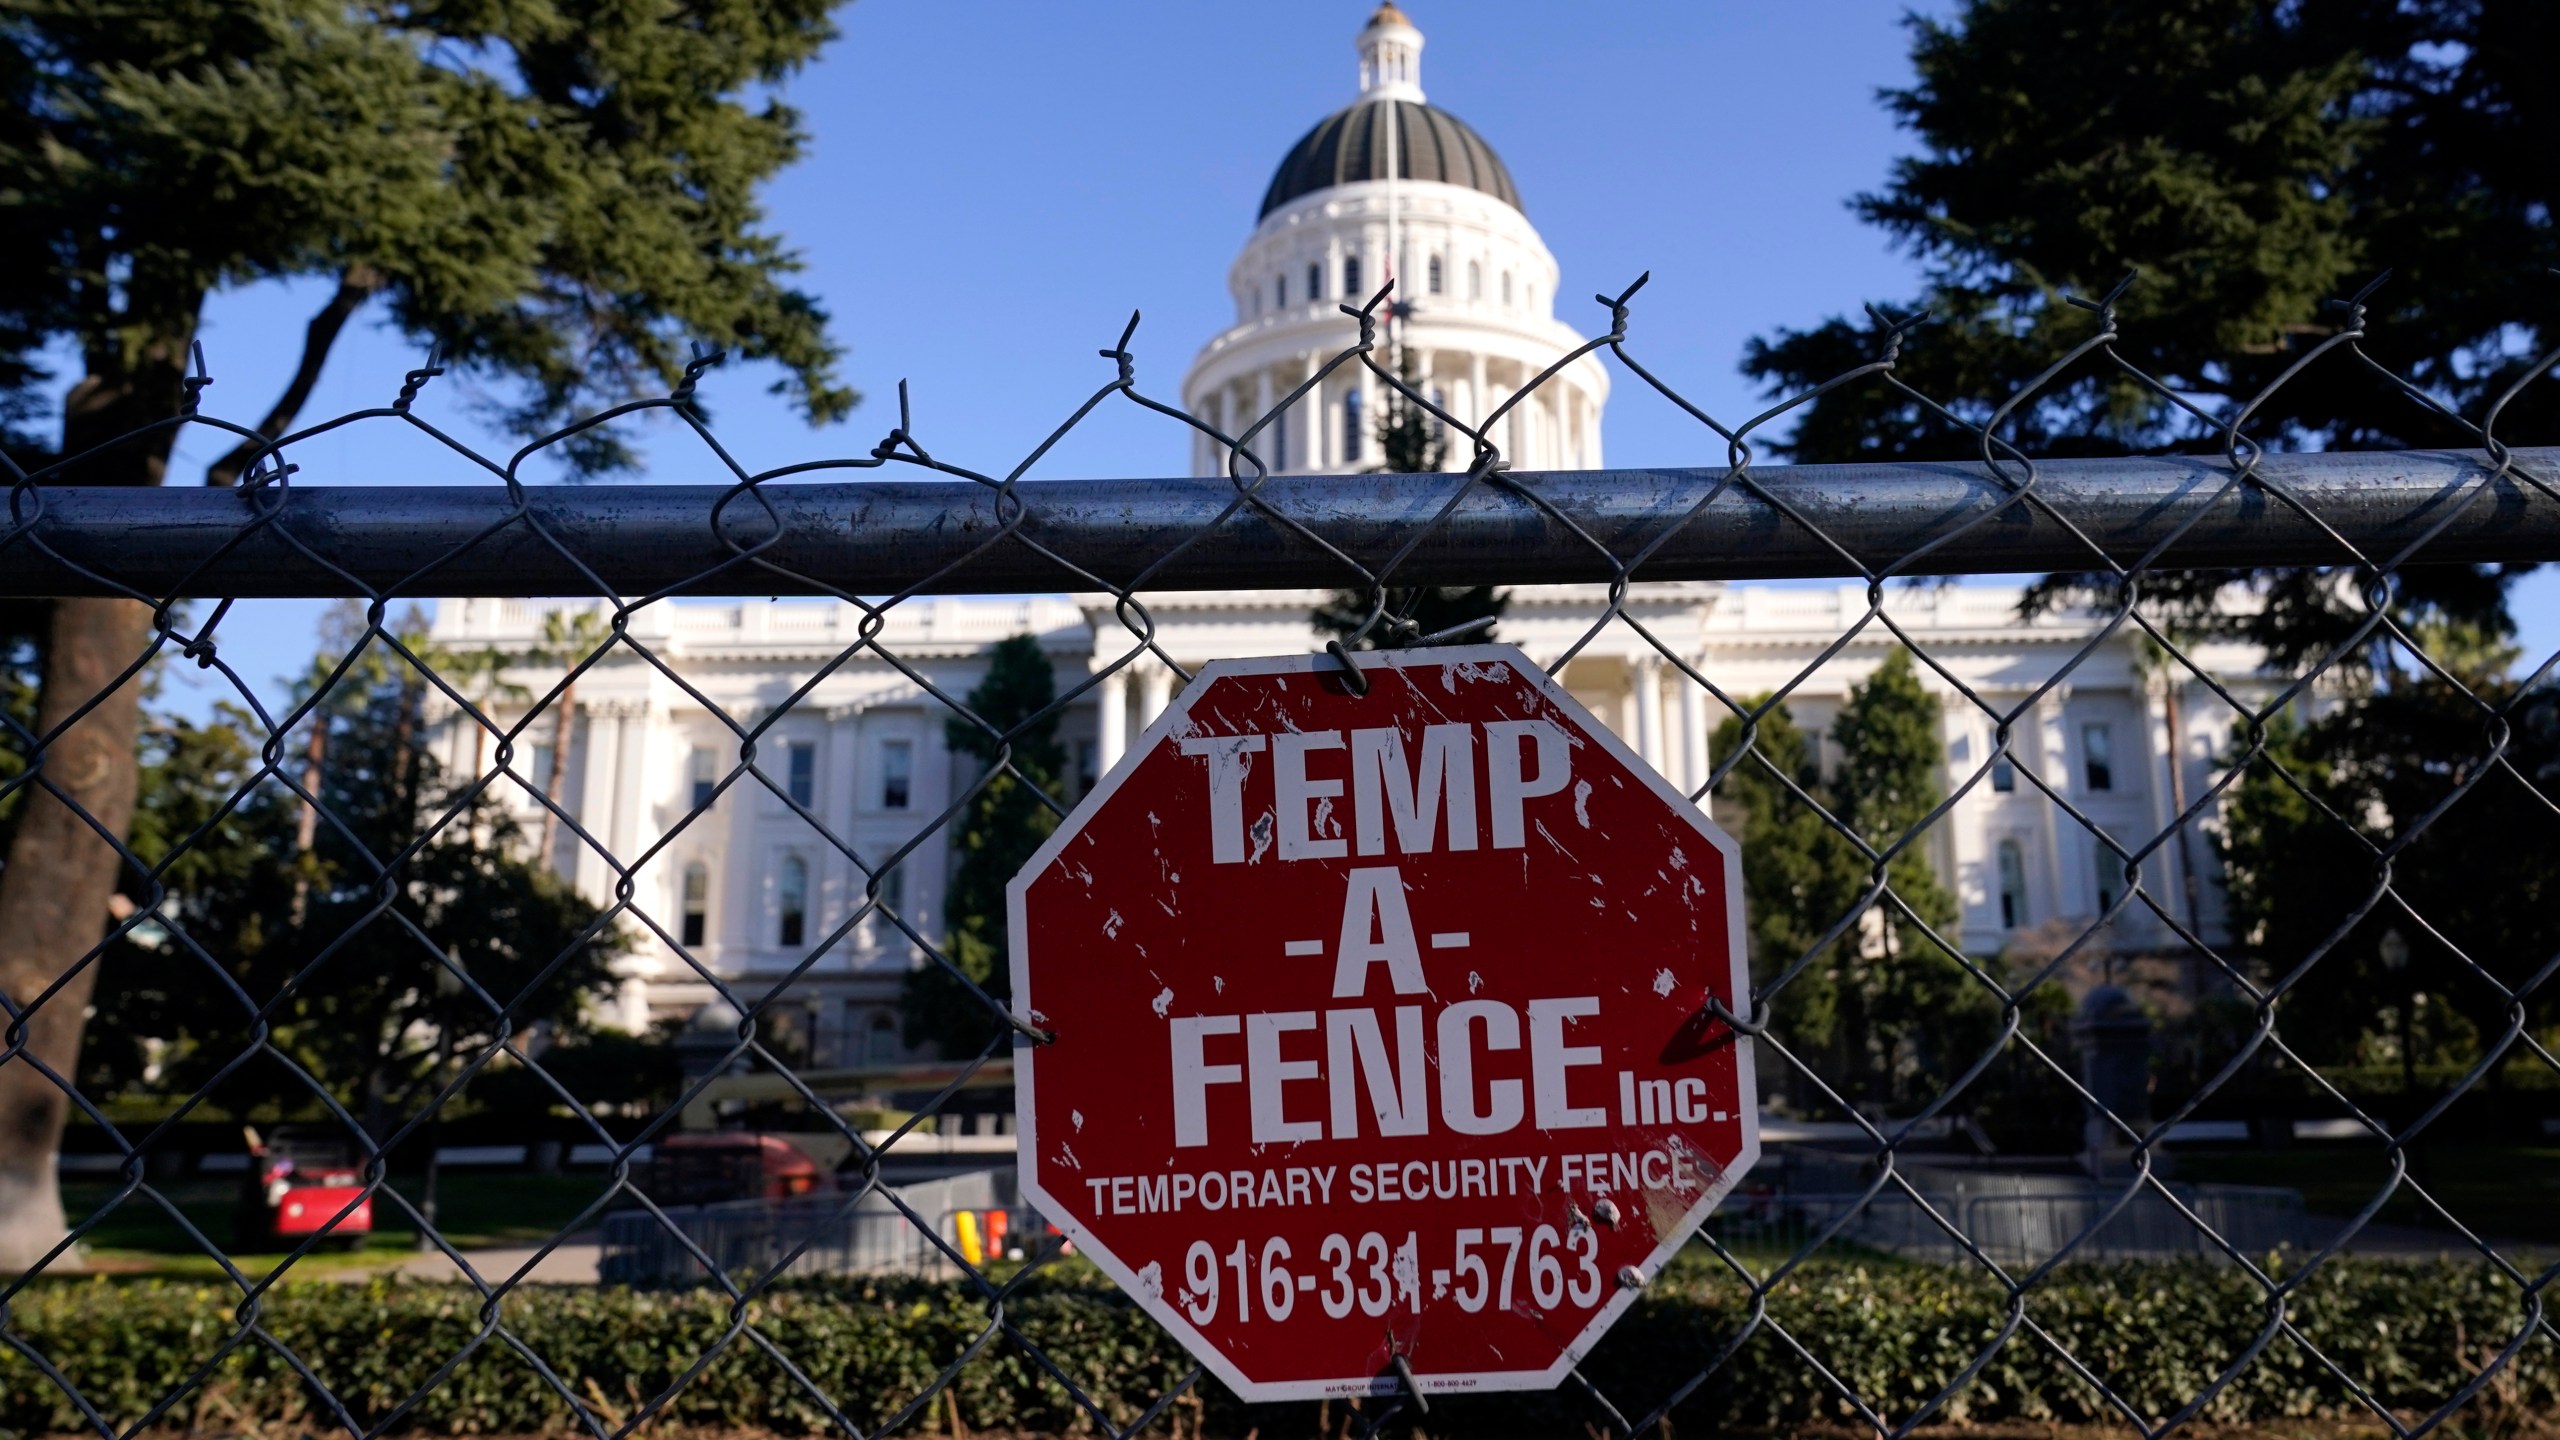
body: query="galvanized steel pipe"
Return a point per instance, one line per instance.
(885, 536)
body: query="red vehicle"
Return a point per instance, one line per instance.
(702, 1168)
(299, 1179)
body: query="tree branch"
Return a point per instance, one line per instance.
(359, 284)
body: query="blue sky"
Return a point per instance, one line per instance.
(993, 185)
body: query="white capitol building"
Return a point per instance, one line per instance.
(750, 889)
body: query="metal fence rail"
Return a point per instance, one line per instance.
(874, 530)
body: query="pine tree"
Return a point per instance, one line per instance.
(560, 195)
(1909, 1010)
(2252, 162)
(1007, 822)
(1887, 1012)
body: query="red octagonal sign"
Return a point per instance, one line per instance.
(1381, 1024)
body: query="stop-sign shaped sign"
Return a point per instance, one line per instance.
(1381, 1027)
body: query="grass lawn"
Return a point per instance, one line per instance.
(2503, 1192)
(475, 1211)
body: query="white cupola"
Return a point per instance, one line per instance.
(1390, 57)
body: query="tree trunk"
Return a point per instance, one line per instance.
(53, 901)
(553, 783)
(306, 825)
(62, 869)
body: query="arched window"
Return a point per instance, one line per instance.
(1280, 292)
(1475, 280)
(1315, 282)
(792, 889)
(1434, 278)
(1351, 290)
(695, 904)
(1351, 427)
(2013, 886)
(1506, 287)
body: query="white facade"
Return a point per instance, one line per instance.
(751, 890)
(863, 750)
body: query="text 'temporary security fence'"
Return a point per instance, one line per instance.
(1919, 1045)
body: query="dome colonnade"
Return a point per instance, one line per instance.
(1391, 187)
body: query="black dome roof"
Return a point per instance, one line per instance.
(1351, 144)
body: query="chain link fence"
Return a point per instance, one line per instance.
(1950, 1108)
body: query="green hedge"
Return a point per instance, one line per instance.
(2158, 1333)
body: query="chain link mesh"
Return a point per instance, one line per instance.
(1874, 1200)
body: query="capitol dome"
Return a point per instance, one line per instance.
(1391, 187)
(1352, 144)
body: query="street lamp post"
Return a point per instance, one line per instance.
(2394, 950)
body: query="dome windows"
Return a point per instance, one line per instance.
(1475, 280)
(1433, 280)
(1506, 287)
(1315, 281)
(1280, 291)
(1351, 289)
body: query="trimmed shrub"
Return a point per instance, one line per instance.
(2158, 1334)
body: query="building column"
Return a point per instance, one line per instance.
(2064, 848)
(1262, 443)
(1648, 685)
(1477, 406)
(1224, 417)
(632, 834)
(1693, 734)
(596, 789)
(1156, 691)
(838, 804)
(1310, 426)
(1111, 720)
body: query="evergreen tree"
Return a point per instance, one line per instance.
(560, 195)
(2471, 892)
(1411, 441)
(1912, 1018)
(1799, 876)
(352, 938)
(1016, 735)
(2252, 161)
(1888, 1013)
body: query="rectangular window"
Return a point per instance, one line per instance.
(794, 896)
(2004, 774)
(897, 773)
(2097, 757)
(703, 768)
(803, 775)
(1279, 290)
(539, 773)
(2013, 886)
(893, 901)
(2110, 879)
(694, 902)
(1351, 278)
